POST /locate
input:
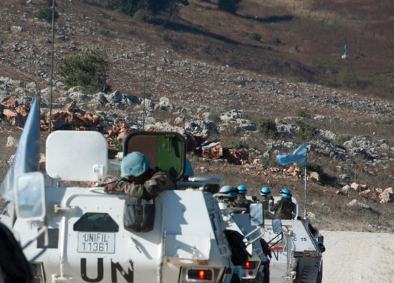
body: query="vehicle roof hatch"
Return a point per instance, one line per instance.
(77, 155)
(165, 150)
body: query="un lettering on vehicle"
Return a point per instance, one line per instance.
(116, 269)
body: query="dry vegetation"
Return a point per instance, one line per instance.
(304, 39)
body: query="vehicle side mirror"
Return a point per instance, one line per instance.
(256, 214)
(30, 196)
(277, 226)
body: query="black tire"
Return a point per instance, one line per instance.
(320, 274)
(309, 275)
(266, 275)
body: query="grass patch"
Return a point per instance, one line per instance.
(389, 73)
(255, 36)
(301, 113)
(103, 31)
(330, 27)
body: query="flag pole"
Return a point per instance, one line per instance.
(305, 192)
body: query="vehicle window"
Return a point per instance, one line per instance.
(96, 222)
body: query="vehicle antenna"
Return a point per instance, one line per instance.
(51, 77)
(305, 214)
(144, 94)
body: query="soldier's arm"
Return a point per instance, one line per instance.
(134, 190)
(158, 184)
(271, 203)
(112, 187)
(276, 206)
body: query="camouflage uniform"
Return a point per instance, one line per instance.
(242, 201)
(230, 201)
(157, 183)
(284, 208)
(267, 201)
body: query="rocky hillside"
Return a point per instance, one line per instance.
(350, 149)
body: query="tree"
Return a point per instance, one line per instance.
(89, 71)
(230, 6)
(145, 9)
(46, 14)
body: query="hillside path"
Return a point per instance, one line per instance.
(355, 257)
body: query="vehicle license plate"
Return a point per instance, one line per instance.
(96, 242)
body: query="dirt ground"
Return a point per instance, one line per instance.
(354, 257)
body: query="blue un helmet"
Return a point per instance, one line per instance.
(265, 191)
(285, 193)
(242, 189)
(189, 169)
(228, 191)
(134, 164)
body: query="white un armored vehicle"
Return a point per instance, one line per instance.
(257, 268)
(86, 240)
(296, 249)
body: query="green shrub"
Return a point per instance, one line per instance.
(103, 31)
(141, 15)
(232, 130)
(347, 75)
(342, 138)
(275, 40)
(230, 6)
(314, 167)
(311, 167)
(255, 36)
(46, 14)
(118, 144)
(243, 33)
(238, 144)
(214, 116)
(301, 113)
(390, 89)
(89, 71)
(305, 131)
(267, 127)
(240, 82)
(50, 3)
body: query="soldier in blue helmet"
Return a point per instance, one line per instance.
(242, 201)
(284, 207)
(138, 180)
(267, 200)
(227, 194)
